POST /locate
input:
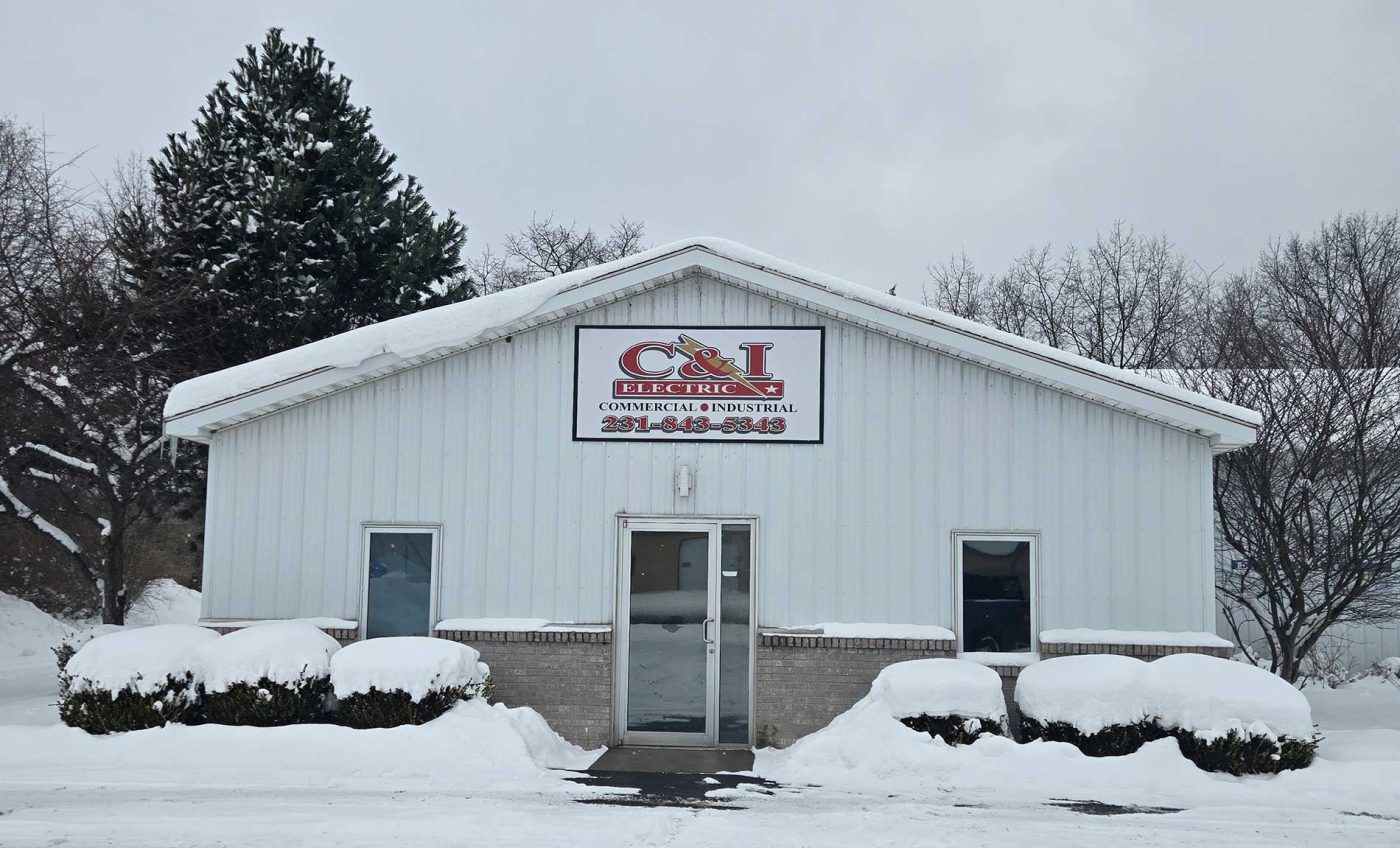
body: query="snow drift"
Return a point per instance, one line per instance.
(473, 745)
(27, 631)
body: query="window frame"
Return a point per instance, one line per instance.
(1031, 536)
(370, 527)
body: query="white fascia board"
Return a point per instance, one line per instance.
(198, 425)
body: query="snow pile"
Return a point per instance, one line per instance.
(164, 601)
(282, 652)
(869, 742)
(1389, 668)
(873, 630)
(862, 745)
(1180, 639)
(1209, 697)
(545, 747)
(140, 659)
(939, 687)
(865, 749)
(473, 745)
(1089, 692)
(1371, 703)
(413, 664)
(27, 631)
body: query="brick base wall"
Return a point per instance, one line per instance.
(1142, 652)
(803, 682)
(343, 635)
(564, 676)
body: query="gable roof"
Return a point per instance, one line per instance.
(198, 407)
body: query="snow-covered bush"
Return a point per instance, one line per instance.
(1329, 664)
(1093, 702)
(1226, 716)
(64, 650)
(134, 679)
(403, 680)
(1388, 668)
(267, 674)
(1230, 716)
(956, 700)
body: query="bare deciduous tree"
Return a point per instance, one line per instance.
(959, 288)
(85, 377)
(1127, 300)
(545, 249)
(1309, 516)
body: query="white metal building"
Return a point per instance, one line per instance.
(640, 487)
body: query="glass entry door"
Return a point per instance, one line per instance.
(684, 635)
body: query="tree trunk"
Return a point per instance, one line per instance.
(1289, 665)
(114, 580)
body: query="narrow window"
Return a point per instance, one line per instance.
(399, 581)
(997, 579)
(735, 588)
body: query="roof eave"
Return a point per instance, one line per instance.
(1226, 431)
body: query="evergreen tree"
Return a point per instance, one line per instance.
(284, 215)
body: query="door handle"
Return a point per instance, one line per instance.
(705, 631)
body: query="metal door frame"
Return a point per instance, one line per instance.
(713, 527)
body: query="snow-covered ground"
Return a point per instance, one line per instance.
(28, 686)
(488, 775)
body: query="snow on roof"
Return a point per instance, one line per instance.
(460, 324)
(408, 336)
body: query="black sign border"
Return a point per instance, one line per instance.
(821, 387)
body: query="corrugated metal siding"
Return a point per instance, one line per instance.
(918, 444)
(1362, 644)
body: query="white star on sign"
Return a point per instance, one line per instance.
(772, 390)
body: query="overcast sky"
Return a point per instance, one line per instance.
(866, 140)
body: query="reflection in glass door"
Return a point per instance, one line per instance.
(668, 616)
(685, 651)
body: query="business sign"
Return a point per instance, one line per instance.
(698, 384)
